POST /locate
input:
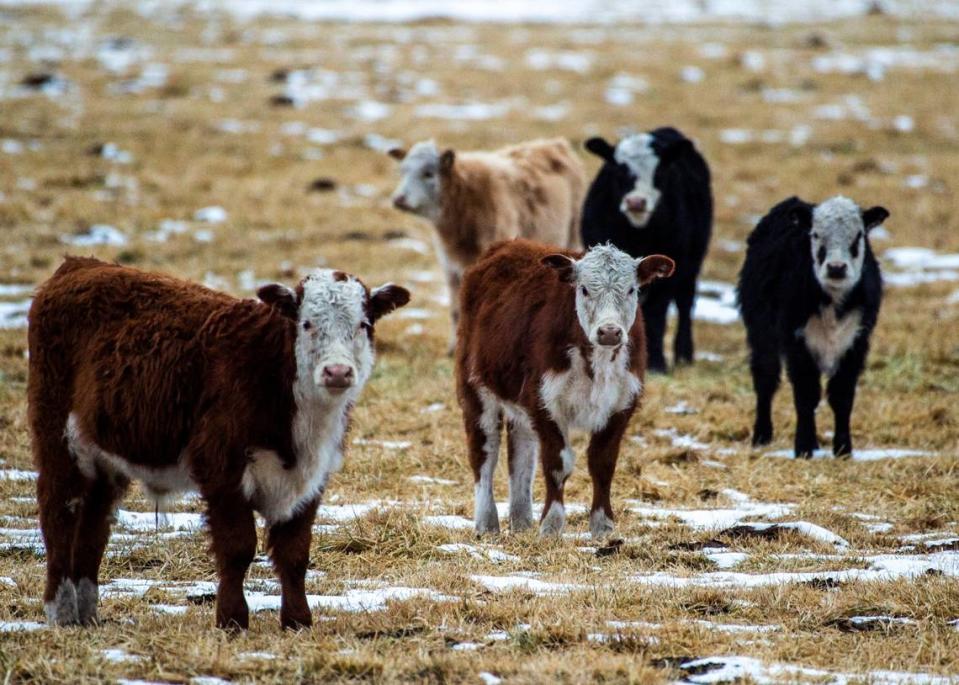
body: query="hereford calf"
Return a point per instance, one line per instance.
(142, 376)
(474, 199)
(810, 290)
(652, 195)
(551, 342)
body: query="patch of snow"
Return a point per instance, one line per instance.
(449, 521)
(20, 626)
(412, 244)
(211, 215)
(414, 313)
(540, 60)
(481, 553)
(146, 521)
(433, 407)
(713, 519)
(431, 480)
(692, 74)
(537, 587)
(858, 455)
(488, 678)
(386, 444)
(17, 475)
(98, 234)
(681, 408)
(14, 315)
(469, 111)
(370, 110)
(622, 89)
(810, 530)
(120, 656)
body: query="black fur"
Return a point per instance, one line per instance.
(679, 227)
(778, 293)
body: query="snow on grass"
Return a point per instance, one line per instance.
(449, 521)
(488, 678)
(411, 244)
(882, 567)
(432, 480)
(917, 265)
(467, 111)
(353, 601)
(712, 519)
(17, 475)
(533, 585)
(20, 626)
(14, 315)
(213, 214)
(481, 553)
(98, 234)
(541, 60)
(715, 303)
(858, 455)
(385, 444)
(136, 520)
(348, 512)
(681, 408)
(725, 560)
(622, 89)
(120, 656)
(730, 669)
(680, 440)
(810, 530)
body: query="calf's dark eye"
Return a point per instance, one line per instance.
(583, 290)
(307, 325)
(854, 248)
(631, 291)
(821, 254)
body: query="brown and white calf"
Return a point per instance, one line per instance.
(142, 376)
(551, 343)
(474, 199)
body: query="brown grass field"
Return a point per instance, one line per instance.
(208, 135)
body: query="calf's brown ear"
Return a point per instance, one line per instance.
(874, 216)
(446, 161)
(564, 266)
(386, 298)
(648, 269)
(281, 298)
(397, 153)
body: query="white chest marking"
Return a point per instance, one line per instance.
(576, 401)
(828, 337)
(277, 492)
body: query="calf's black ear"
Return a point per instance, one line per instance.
(599, 147)
(386, 298)
(801, 216)
(874, 216)
(281, 298)
(564, 266)
(446, 162)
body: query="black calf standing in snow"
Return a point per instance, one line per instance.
(652, 196)
(810, 291)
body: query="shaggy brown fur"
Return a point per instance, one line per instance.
(175, 381)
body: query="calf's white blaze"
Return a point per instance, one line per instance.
(607, 291)
(838, 236)
(637, 154)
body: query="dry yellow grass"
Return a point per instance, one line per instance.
(184, 160)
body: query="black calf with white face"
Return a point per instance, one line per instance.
(810, 290)
(652, 196)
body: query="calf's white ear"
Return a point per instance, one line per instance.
(874, 216)
(565, 267)
(281, 298)
(648, 269)
(599, 147)
(386, 298)
(397, 153)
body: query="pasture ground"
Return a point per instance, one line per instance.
(774, 113)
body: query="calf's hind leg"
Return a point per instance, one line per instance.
(683, 351)
(90, 540)
(523, 446)
(654, 318)
(766, 368)
(482, 420)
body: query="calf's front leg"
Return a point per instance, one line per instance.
(804, 376)
(233, 531)
(557, 459)
(289, 547)
(841, 393)
(602, 455)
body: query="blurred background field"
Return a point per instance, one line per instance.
(237, 143)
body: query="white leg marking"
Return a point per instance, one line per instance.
(554, 521)
(525, 446)
(87, 596)
(600, 524)
(569, 461)
(484, 512)
(62, 611)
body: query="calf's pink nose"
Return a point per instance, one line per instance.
(609, 335)
(337, 376)
(636, 204)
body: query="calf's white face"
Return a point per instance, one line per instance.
(636, 153)
(419, 189)
(838, 241)
(334, 316)
(607, 282)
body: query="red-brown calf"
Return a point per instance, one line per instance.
(142, 376)
(550, 341)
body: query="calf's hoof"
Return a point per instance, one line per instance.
(62, 610)
(487, 522)
(88, 594)
(520, 522)
(762, 436)
(842, 448)
(553, 522)
(234, 618)
(290, 620)
(600, 525)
